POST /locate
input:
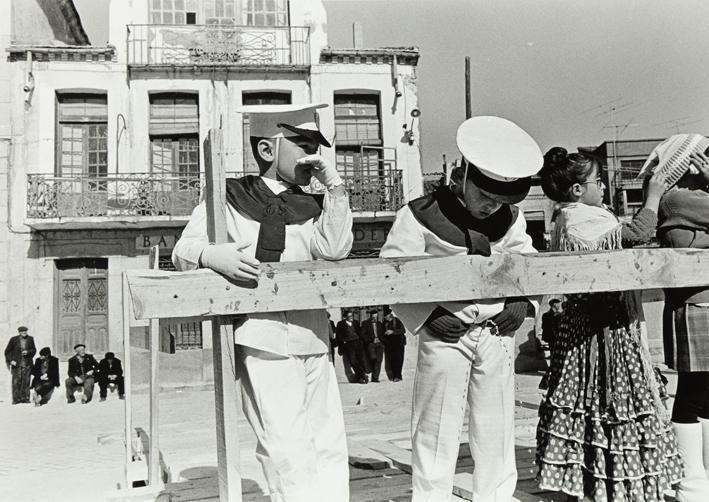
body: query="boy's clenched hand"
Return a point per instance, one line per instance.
(229, 260)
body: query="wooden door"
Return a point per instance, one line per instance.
(81, 305)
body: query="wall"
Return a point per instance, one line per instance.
(39, 22)
(395, 112)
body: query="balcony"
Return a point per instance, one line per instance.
(133, 200)
(282, 48)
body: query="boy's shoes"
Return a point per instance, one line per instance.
(375, 380)
(72, 399)
(362, 380)
(121, 397)
(102, 399)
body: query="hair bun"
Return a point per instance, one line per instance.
(555, 157)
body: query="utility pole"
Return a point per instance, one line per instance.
(468, 100)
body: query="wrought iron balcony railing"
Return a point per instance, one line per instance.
(128, 195)
(150, 194)
(218, 45)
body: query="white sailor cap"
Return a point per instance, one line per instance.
(279, 121)
(501, 157)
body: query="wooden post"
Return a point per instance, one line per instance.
(127, 403)
(154, 478)
(225, 391)
(468, 97)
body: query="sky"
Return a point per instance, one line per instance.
(555, 67)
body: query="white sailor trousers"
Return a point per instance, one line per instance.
(479, 366)
(293, 405)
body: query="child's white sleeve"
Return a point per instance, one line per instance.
(332, 239)
(193, 240)
(405, 237)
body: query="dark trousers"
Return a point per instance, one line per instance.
(395, 360)
(72, 386)
(353, 359)
(375, 356)
(692, 398)
(20, 384)
(43, 392)
(104, 382)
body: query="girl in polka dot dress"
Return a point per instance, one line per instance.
(603, 432)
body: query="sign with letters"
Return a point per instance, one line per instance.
(165, 241)
(370, 235)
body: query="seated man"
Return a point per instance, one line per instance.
(45, 376)
(110, 372)
(82, 369)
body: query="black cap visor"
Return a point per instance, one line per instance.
(506, 192)
(308, 133)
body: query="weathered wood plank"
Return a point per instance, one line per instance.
(400, 458)
(322, 284)
(365, 458)
(225, 391)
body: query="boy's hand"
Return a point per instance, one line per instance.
(228, 260)
(445, 326)
(324, 173)
(512, 316)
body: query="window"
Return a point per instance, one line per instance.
(220, 12)
(357, 120)
(258, 98)
(173, 11)
(630, 168)
(82, 129)
(174, 135)
(266, 13)
(178, 334)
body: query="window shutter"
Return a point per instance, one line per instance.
(171, 115)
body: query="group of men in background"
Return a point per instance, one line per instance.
(364, 346)
(37, 379)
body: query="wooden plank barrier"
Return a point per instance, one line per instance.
(351, 283)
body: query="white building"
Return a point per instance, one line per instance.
(100, 147)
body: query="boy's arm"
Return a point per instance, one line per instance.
(188, 249)
(332, 239)
(405, 237)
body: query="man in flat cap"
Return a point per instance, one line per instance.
(289, 390)
(467, 348)
(18, 356)
(372, 332)
(82, 374)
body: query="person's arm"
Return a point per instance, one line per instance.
(642, 227)
(193, 240)
(405, 237)
(54, 371)
(399, 327)
(332, 239)
(118, 368)
(9, 349)
(72, 370)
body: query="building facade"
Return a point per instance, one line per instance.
(101, 148)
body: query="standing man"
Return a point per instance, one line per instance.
(349, 346)
(18, 356)
(394, 344)
(467, 348)
(289, 389)
(372, 332)
(110, 372)
(45, 376)
(82, 374)
(550, 321)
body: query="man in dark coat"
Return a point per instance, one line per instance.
(110, 372)
(394, 344)
(82, 373)
(550, 321)
(18, 356)
(372, 333)
(45, 376)
(349, 346)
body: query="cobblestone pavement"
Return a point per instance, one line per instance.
(75, 452)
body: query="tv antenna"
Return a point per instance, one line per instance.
(677, 123)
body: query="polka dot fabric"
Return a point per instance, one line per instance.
(599, 434)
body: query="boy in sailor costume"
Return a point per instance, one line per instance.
(289, 390)
(468, 348)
